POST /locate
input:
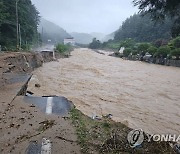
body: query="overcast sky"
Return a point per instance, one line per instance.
(86, 16)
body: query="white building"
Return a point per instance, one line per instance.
(70, 41)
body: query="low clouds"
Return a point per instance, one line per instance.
(87, 16)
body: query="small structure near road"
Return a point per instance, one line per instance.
(70, 41)
(121, 51)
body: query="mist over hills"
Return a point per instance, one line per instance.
(98, 36)
(82, 38)
(85, 38)
(51, 31)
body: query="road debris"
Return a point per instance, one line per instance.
(37, 85)
(44, 125)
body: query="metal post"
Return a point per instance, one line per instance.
(20, 37)
(42, 35)
(17, 26)
(27, 45)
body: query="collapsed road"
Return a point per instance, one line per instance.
(137, 94)
(24, 127)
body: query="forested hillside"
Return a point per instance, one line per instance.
(143, 29)
(51, 31)
(28, 19)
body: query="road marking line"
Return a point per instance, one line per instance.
(46, 146)
(49, 105)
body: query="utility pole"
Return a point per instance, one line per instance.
(20, 37)
(42, 35)
(17, 26)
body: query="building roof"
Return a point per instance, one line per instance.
(69, 38)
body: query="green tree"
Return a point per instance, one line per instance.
(176, 53)
(63, 48)
(28, 19)
(162, 52)
(127, 51)
(95, 44)
(152, 50)
(160, 9)
(175, 43)
(143, 47)
(143, 29)
(127, 43)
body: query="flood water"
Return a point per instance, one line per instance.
(138, 94)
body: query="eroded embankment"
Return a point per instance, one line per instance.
(15, 72)
(24, 128)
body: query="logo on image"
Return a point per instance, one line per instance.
(135, 137)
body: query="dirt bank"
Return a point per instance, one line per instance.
(17, 63)
(23, 126)
(139, 95)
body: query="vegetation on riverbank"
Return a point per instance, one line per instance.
(106, 136)
(158, 49)
(155, 31)
(64, 50)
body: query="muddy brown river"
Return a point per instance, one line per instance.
(138, 94)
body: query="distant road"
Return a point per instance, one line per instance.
(47, 47)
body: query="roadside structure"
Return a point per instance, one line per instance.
(69, 40)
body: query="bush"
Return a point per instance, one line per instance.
(126, 52)
(96, 44)
(143, 47)
(128, 43)
(134, 52)
(176, 53)
(175, 43)
(152, 50)
(113, 45)
(63, 48)
(162, 52)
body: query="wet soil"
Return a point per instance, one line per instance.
(22, 125)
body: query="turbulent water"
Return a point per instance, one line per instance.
(137, 94)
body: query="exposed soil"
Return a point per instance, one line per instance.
(23, 125)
